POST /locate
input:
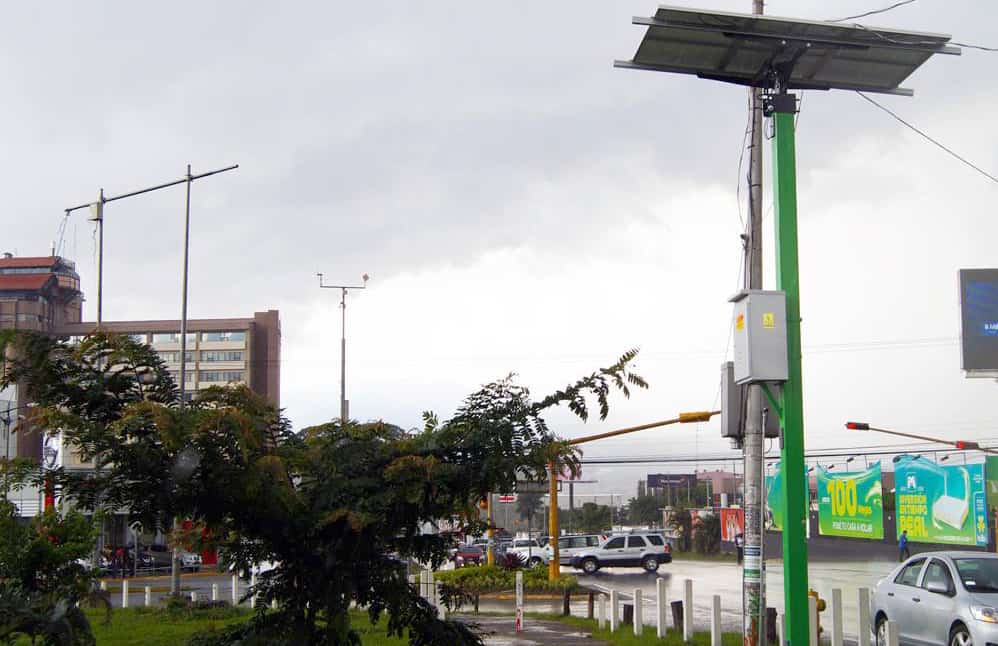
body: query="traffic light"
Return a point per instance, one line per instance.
(965, 445)
(857, 426)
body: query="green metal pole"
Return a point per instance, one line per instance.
(792, 452)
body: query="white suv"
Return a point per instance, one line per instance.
(640, 549)
(569, 546)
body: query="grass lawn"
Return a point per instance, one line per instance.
(625, 636)
(156, 627)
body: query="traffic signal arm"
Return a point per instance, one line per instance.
(684, 418)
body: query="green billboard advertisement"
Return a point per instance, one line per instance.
(774, 500)
(775, 518)
(851, 503)
(991, 481)
(937, 504)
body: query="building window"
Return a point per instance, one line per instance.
(174, 357)
(221, 376)
(210, 356)
(188, 376)
(223, 336)
(173, 337)
(138, 338)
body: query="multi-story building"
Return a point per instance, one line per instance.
(43, 294)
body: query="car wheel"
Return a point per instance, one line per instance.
(590, 565)
(881, 631)
(649, 563)
(535, 562)
(960, 636)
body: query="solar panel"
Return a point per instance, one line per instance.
(756, 50)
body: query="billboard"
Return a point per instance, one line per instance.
(664, 480)
(938, 504)
(979, 317)
(851, 504)
(732, 523)
(775, 518)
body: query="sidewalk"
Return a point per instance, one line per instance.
(498, 631)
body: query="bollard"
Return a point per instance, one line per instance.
(148, 596)
(837, 617)
(256, 595)
(103, 586)
(865, 628)
(273, 604)
(781, 630)
(638, 605)
(566, 603)
(661, 603)
(628, 619)
(590, 604)
(771, 636)
(601, 611)
(677, 615)
(614, 611)
(715, 621)
(518, 619)
(214, 592)
(431, 589)
(688, 610)
(812, 619)
(124, 593)
(194, 596)
(892, 633)
(235, 590)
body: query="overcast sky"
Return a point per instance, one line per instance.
(520, 205)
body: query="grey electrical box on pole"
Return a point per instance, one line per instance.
(760, 336)
(733, 401)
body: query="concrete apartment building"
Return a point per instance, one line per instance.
(43, 294)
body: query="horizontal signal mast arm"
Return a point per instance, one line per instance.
(684, 418)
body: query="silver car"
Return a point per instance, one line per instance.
(940, 598)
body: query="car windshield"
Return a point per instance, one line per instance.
(978, 575)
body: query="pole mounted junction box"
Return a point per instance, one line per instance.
(734, 406)
(760, 336)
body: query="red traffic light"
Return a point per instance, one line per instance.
(964, 445)
(857, 426)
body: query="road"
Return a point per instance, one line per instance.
(725, 579)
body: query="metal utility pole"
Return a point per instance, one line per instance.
(344, 412)
(97, 215)
(753, 588)
(97, 211)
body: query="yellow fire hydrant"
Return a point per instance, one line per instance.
(820, 605)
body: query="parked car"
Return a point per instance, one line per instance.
(947, 598)
(468, 554)
(190, 561)
(638, 549)
(530, 551)
(569, 546)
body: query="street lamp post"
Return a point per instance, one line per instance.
(344, 413)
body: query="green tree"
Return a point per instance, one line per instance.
(331, 505)
(527, 506)
(707, 534)
(645, 510)
(593, 518)
(43, 579)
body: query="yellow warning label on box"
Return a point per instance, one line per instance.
(768, 320)
(740, 322)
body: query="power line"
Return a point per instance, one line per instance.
(875, 11)
(937, 143)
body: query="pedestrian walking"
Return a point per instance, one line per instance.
(740, 546)
(903, 551)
